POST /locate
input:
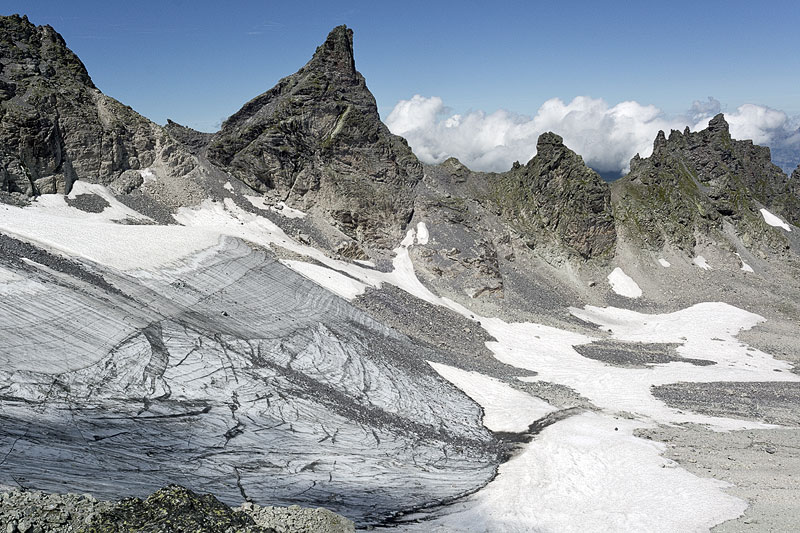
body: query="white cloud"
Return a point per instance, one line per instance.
(606, 136)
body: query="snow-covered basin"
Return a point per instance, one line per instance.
(550, 478)
(549, 351)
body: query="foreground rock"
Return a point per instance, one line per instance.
(173, 508)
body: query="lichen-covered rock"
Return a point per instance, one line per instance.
(174, 509)
(56, 126)
(694, 182)
(557, 201)
(316, 141)
(28, 511)
(296, 519)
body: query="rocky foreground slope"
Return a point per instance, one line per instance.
(295, 310)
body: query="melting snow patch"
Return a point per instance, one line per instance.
(774, 221)
(700, 261)
(336, 282)
(422, 233)
(260, 202)
(228, 186)
(588, 473)
(504, 407)
(745, 266)
(663, 262)
(148, 175)
(623, 285)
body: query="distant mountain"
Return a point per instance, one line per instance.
(695, 183)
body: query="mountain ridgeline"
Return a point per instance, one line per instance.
(57, 127)
(316, 142)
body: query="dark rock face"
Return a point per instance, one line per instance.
(176, 509)
(695, 181)
(55, 126)
(557, 199)
(316, 140)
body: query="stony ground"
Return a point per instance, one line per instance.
(174, 509)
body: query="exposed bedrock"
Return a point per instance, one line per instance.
(695, 182)
(57, 127)
(316, 140)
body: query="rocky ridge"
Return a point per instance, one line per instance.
(57, 127)
(556, 198)
(695, 183)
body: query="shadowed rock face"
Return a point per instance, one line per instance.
(55, 126)
(316, 140)
(695, 181)
(557, 199)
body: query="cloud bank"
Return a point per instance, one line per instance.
(606, 136)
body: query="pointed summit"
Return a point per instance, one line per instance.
(337, 51)
(557, 202)
(718, 123)
(316, 141)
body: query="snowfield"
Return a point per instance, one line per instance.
(587, 472)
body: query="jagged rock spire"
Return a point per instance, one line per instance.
(316, 141)
(337, 51)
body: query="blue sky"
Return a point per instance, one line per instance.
(197, 62)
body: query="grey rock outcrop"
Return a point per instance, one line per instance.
(556, 200)
(316, 141)
(694, 182)
(57, 127)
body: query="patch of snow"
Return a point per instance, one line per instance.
(259, 202)
(228, 186)
(588, 473)
(663, 262)
(408, 240)
(774, 221)
(745, 266)
(288, 212)
(504, 407)
(52, 223)
(701, 262)
(148, 175)
(623, 284)
(281, 208)
(336, 282)
(422, 233)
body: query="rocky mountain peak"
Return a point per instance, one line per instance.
(557, 202)
(336, 53)
(316, 141)
(694, 181)
(28, 51)
(55, 125)
(718, 124)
